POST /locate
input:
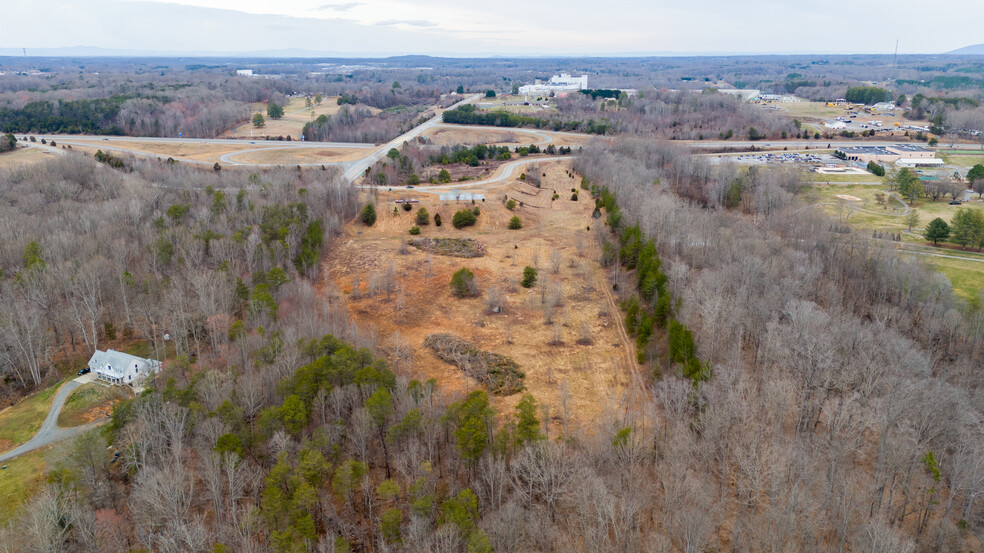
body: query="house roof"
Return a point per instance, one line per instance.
(116, 363)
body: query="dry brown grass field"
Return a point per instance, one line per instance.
(23, 156)
(443, 136)
(290, 156)
(554, 238)
(193, 151)
(295, 116)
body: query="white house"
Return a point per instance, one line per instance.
(121, 368)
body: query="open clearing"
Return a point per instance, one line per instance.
(967, 277)
(19, 422)
(964, 160)
(292, 123)
(290, 156)
(443, 136)
(90, 402)
(23, 156)
(194, 151)
(888, 216)
(19, 481)
(420, 302)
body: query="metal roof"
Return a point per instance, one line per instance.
(455, 196)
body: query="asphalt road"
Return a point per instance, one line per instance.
(50, 432)
(355, 168)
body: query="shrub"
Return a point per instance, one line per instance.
(444, 176)
(463, 218)
(463, 284)
(437, 219)
(876, 169)
(476, 210)
(515, 223)
(529, 277)
(415, 230)
(423, 218)
(413, 179)
(574, 197)
(368, 214)
(511, 204)
(407, 207)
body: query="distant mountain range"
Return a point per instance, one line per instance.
(973, 50)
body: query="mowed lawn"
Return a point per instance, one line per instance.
(967, 277)
(20, 480)
(965, 158)
(21, 421)
(883, 217)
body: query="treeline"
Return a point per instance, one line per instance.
(596, 93)
(97, 116)
(867, 95)
(360, 124)
(679, 115)
(136, 104)
(651, 310)
(468, 115)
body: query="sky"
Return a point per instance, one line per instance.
(499, 27)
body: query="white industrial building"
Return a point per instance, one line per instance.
(743, 93)
(558, 83)
(244, 72)
(121, 368)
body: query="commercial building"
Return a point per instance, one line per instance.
(244, 72)
(743, 93)
(903, 155)
(558, 83)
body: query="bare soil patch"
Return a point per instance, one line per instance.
(573, 302)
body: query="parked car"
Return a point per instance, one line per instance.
(956, 202)
(85, 370)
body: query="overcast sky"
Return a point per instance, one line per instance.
(527, 27)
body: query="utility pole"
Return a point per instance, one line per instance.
(25, 51)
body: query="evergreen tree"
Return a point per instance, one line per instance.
(274, 111)
(527, 423)
(368, 215)
(937, 230)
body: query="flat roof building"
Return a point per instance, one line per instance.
(890, 154)
(558, 83)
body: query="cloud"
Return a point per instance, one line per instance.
(410, 22)
(340, 7)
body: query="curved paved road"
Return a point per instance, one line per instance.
(50, 432)
(504, 172)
